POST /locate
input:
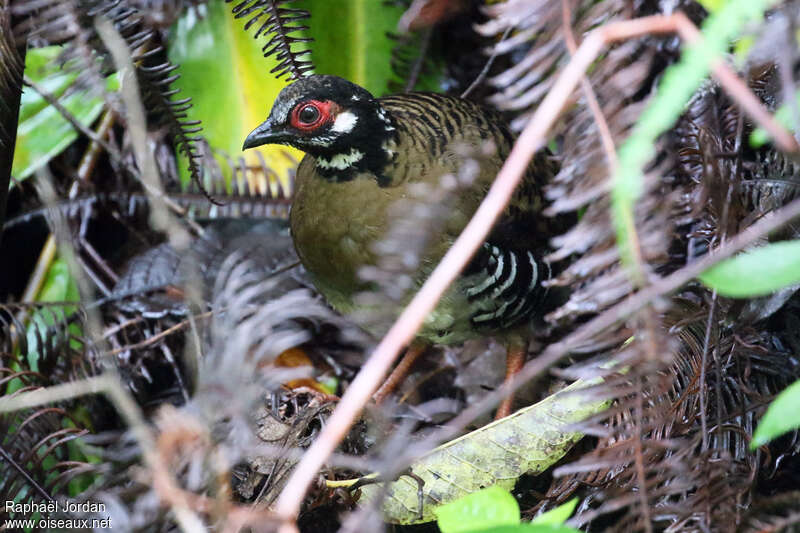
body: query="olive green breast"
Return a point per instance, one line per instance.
(334, 226)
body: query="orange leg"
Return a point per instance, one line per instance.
(516, 353)
(414, 350)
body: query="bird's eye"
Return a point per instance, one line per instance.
(308, 114)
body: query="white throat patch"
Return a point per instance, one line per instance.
(341, 161)
(345, 122)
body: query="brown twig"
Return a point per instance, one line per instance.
(157, 337)
(530, 141)
(641, 476)
(485, 70)
(419, 62)
(92, 154)
(586, 86)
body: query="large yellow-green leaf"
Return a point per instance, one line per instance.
(528, 441)
(224, 72)
(42, 132)
(350, 39)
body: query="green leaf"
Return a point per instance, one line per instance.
(782, 415)
(78, 450)
(530, 528)
(712, 6)
(678, 84)
(351, 41)
(478, 511)
(58, 286)
(225, 73)
(42, 132)
(757, 272)
(557, 516)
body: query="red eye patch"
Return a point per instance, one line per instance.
(309, 115)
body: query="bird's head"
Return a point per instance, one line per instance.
(339, 123)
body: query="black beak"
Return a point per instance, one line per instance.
(265, 133)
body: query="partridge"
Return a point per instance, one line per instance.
(363, 154)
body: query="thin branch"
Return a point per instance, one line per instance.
(641, 476)
(8, 459)
(586, 86)
(650, 320)
(419, 62)
(485, 70)
(703, 364)
(531, 139)
(39, 273)
(96, 138)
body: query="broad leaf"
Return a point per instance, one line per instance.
(486, 508)
(756, 272)
(356, 46)
(782, 415)
(225, 73)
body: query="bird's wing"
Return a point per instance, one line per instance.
(503, 286)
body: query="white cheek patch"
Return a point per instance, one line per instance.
(345, 122)
(341, 161)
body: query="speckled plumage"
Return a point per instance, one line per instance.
(339, 213)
